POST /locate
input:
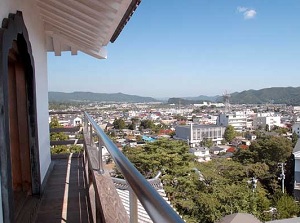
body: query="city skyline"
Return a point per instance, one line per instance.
(175, 49)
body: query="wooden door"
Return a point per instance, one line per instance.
(18, 129)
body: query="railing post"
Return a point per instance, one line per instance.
(86, 124)
(100, 160)
(91, 134)
(133, 207)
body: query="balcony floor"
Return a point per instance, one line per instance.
(65, 197)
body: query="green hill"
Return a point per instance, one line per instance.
(276, 95)
(182, 101)
(96, 97)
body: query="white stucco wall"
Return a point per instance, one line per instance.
(37, 38)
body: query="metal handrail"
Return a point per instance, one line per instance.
(157, 208)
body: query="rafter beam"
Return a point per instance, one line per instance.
(63, 28)
(70, 13)
(54, 18)
(56, 45)
(101, 6)
(74, 51)
(80, 41)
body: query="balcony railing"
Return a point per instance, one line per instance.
(156, 207)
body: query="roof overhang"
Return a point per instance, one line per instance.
(84, 25)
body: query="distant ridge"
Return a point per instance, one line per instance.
(204, 98)
(183, 101)
(275, 95)
(79, 96)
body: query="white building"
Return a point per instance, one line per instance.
(296, 153)
(29, 29)
(194, 134)
(202, 153)
(238, 120)
(296, 128)
(262, 120)
(77, 121)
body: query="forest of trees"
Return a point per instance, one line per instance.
(205, 192)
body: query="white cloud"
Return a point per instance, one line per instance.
(247, 13)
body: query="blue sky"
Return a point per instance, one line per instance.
(173, 48)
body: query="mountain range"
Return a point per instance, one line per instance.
(276, 95)
(96, 97)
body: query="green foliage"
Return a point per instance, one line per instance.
(228, 189)
(64, 149)
(287, 207)
(147, 124)
(207, 143)
(269, 149)
(280, 130)
(294, 139)
(267, 128)
(223, 142)
(60, 150)
(221, 187)
(229, 133)
(119, 124)
(180, 118)
(133, 123)
(170, 156)
(75, 149)
(267, 152)
(132, 126)
(79, 135)
(56, 136)
(54, 123)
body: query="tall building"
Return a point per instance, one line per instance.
(238, 120)
(194, 134)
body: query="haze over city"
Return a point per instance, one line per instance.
(190, 48)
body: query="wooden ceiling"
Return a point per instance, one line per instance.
(84, 25)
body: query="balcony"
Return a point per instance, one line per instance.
(80, 188)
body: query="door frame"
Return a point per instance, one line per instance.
(13, 29)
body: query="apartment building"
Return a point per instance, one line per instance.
(266, 119)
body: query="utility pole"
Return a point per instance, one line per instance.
(282, 175)
(253, 183)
